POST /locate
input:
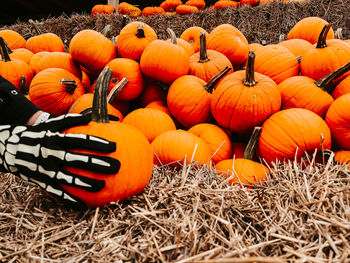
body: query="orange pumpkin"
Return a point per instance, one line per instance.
(228, 40)
(128, 9)
(244, 170)
(175, 147)
(170, 5)
(191, 35)
(289, 134)
(14, 69)
(150, 122)
(223, 4)
(249, 2)
(34, 62)
(309, 29)
(179, 41)
(325, 57)
(254, 46)
(22, 54)
(205, 64)
(343, 87)
(92, 50)
(152, 10)
(244, 99)
(189, 98)
(55, 90)
(13, 39)
(200, 4)
(296, 46)
(338, 119)
(164, 61)
(133, 151)
(277, 62)
(102, 9)
(342, 157)
(217, 140)
(186, 9)
(133, 39)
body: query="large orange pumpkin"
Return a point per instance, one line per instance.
(133, 151)
(244, 99)
(191, 35)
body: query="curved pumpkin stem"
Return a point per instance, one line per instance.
(203, 54)
(173, 38)
(249, 79)
(321, 42)
(99, 104)
(327, 81)
(36, 28)
(116, 90)
(70, 84)
(252, 143)
(4, 51)
(140, 32)
(209, 87)
(106, 30)
(339, 33)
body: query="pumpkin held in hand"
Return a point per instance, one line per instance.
(134, 153)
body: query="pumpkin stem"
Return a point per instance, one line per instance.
(36, 28)
(28, 35)
(4, 51)
(203, 54)
(209, 87)
(140, 32)
(252, 143)
(281, 37)
(325, 82)
(22, 85)
(321, 42)
(99, 104)
(116, 90)
(249, 79)
(70, 84)
(106, 30)
(339, 33)
(299, 59)
(173, 38)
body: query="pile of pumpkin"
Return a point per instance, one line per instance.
(208, 97)
(171, 7)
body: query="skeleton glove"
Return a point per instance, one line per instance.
(40, 153)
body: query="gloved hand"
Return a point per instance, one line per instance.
(39, 154)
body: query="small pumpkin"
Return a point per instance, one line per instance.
(128, 9)
(223, 4)
(342, 157)
(102, 9)
(200, 4)
(191, 35)
(152, 10)
(170, 5)
(22, 54)
(13, 39)
(186, 9)
(133, 151)
(179, 41)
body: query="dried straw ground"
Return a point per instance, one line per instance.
(188, 215)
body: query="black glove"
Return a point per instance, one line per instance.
(15, 108)
(39, 154)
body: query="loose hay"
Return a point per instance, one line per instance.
(188, 215)
(262, 24)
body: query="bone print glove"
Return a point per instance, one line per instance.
(39, 154)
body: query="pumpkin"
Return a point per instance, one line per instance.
(133, 151)
(297, 46)
(338, 119)
(84, 103)
(44, 41)
(289, 134)
(228, 40)
(277, 62)
(14, 69)
(22, 54)
(205, 64)
(92, 50)
(170, 5)
(254, 46)
(309, 29)
(186, 9)
(191, 35)
(342, 157)
(179, 41)
(244, 99)
(223, 4)
(102, 9)
(85, 80)
(130, 69)
(176, 147)
(304, 92)
(217, 140)
(57, 59)
(189, 98)
(128, 9)
(249, 2)
(133, 39)
(159, 105)
(164, 61)
(34, 62)
(343, 87)
(244, 170)
(54, 90)
(152, 10)
(13, 39)
(150, 122)
(200, 4)
(325, 57)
